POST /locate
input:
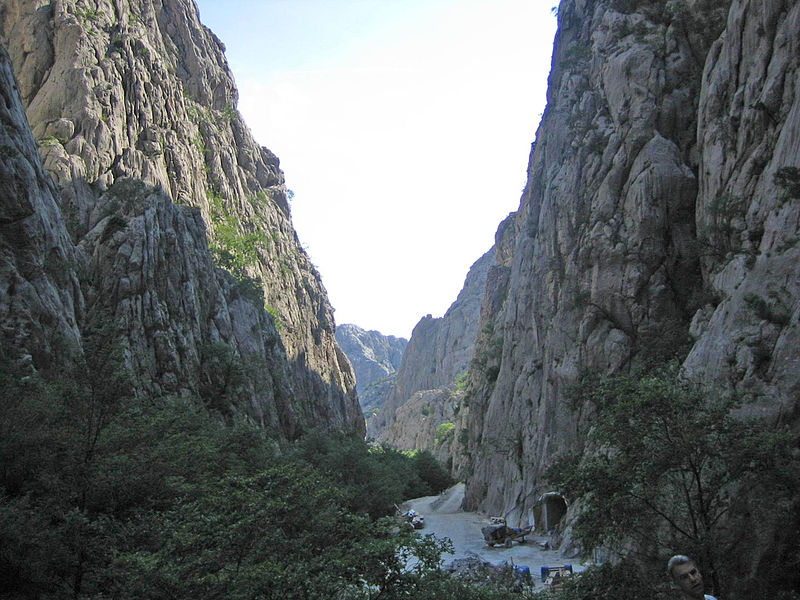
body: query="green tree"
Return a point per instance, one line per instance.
(610, 582)
(431, 472)
(107, 495)
(56, 532)
(373, 479)
(280, 533)
(670, 467)
(222, 375)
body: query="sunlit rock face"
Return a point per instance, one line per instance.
(425, 393)
(133, 107)
(659, 217)
(375, 358)
(748, 207)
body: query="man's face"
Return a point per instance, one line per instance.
(688, 579)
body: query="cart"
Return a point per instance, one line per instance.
(416, 520)
(505, 535)
(553, 577)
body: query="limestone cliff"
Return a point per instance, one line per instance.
(133, 107)
(40, 295)
(660, 215)
(425, 393)
(375, 358)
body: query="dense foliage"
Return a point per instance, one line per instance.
(104, 495)
(671, 469)
(610, 582)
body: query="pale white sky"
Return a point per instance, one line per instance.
(403, 128)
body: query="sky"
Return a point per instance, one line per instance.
(403, 128)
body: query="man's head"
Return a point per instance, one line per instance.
(686, 576)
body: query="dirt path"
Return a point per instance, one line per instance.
(444, 518)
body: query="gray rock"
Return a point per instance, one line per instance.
(661, 211)
(134, 110)
(600, 262)
(373, 355)
(425, 394)
(375, 358)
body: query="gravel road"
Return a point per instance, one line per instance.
(445, 519)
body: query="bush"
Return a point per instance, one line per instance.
(375, 479)
(153, 499)
(611, 582)
(669, 469)
(788, 179)
(444, 432)
(431, 472)
(104, 495)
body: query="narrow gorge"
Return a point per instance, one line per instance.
(659, 222)
(147, 238)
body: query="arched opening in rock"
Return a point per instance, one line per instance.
(549, 510)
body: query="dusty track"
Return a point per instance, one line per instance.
(445, 519)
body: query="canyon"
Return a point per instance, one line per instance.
(375, 358)
(659, 222)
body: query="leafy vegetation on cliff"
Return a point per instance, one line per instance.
(670, 468)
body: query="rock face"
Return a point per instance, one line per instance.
(40, 296)
(660, 213)
(748, 206)
(133, 107)
(425, 395)
(375, 358)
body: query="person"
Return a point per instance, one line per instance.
(687, 577)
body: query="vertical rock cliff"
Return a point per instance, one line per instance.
(600, 261)
(748, 207)
(659, 217)
(133, 108)
(40, 296)
(425, 394)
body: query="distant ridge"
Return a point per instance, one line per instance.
(375, 358)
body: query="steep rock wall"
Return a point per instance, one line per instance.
(429, 420)
(439, 351)
(40, 296)
(599, 267)
(126, 95)
(372, 354)
(748, 207)
(748, 213)
(660, 217)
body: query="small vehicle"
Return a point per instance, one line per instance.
(505, 535)
(553, 577)
(416, 520)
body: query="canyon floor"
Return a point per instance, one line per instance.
(445, 519)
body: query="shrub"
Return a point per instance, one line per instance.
(444, 432)
(667, 468)
(105, 495)
(431, 472)
(114, 224)
(776, 312)
(130, 194)
(623, 580)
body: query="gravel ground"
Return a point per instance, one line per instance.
(445, 519)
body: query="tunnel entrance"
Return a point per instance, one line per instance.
(549, 510)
